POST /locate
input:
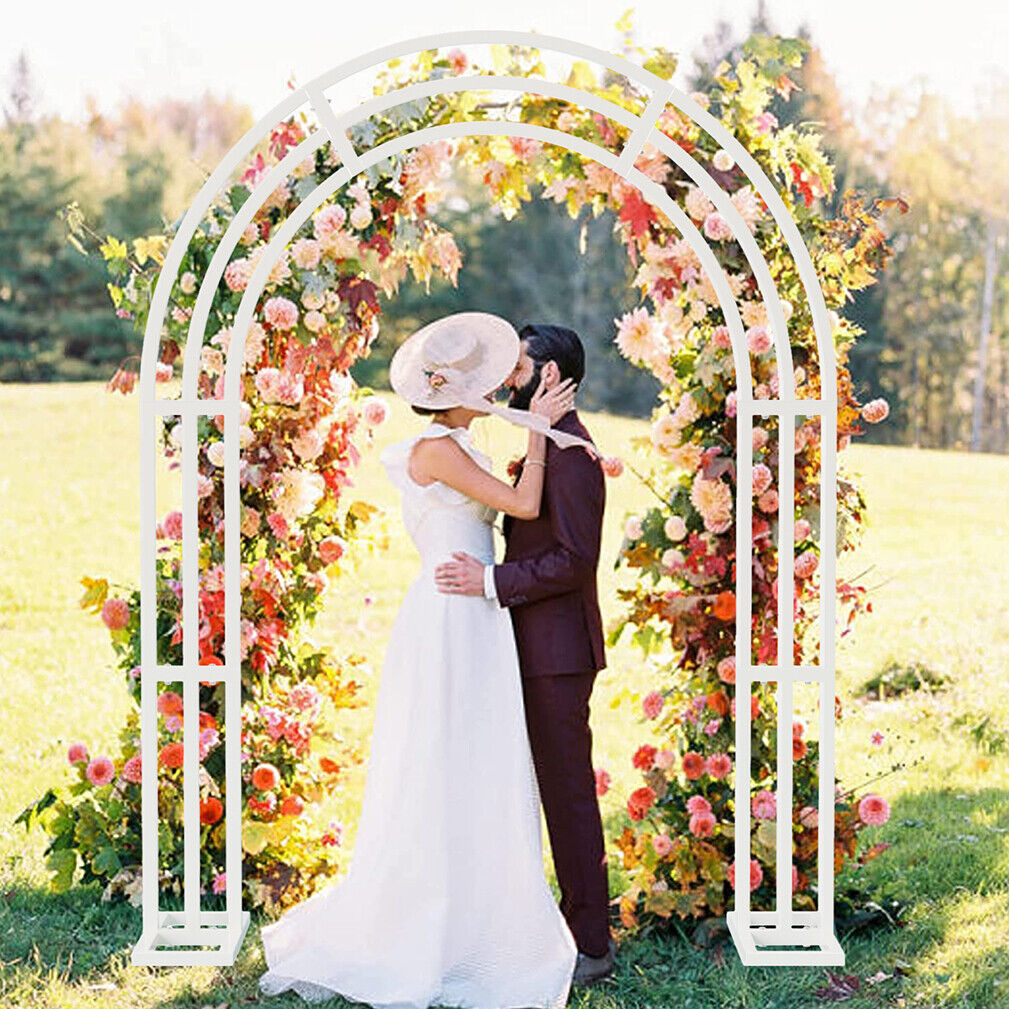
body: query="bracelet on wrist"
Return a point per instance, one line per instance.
(536, 462)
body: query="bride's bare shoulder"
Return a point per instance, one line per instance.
(432, 454)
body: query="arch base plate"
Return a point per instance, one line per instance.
(756, 944)
(212, 930)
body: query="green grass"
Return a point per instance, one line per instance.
(936, 545)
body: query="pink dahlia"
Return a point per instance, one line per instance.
(652, 704)
(764, 805)
(101, 771)
(374, 411)
(281, 313)
(328, 220)
(115, 613)
(761, 479)
(718, 766)
(77, 752)
(716, 227)
(237, 274)
(768, 501)
(756, 874)
(806, 563)
(132, 769)
(698, 804)
(876, 410)
(727, 669)
(873, 809)
(758, 340)
(663, 845)
(702, 824)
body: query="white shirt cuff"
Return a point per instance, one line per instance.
(489, 588)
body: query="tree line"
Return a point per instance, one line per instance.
(936, 341)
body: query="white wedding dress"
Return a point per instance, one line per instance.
(445, 902)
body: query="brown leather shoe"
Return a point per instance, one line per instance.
(592, 968)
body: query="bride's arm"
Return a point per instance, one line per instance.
(443, 460)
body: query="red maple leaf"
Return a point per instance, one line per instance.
(637, 213)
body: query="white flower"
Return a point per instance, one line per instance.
(666, 433)
(296, 492)
(675, 528)
(723, 160)
(637, 337)
(360, 216)
(672, 560)
(698, 206)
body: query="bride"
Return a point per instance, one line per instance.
(446, 901)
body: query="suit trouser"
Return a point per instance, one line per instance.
(557, 719)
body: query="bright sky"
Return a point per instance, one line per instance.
(249, 50)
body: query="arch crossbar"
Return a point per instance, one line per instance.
(756, 934)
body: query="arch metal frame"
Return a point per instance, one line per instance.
(758, 936)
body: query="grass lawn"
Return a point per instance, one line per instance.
(936, 546)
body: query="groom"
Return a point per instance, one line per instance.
(548, 581)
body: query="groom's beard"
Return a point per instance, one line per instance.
(521, 398)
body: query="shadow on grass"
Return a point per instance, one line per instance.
(952, 952)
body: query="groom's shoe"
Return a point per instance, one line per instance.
(592, 968)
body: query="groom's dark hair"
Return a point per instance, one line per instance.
(556, 343)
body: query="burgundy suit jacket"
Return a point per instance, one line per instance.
(548, 576)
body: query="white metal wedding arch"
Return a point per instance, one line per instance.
(761, 938)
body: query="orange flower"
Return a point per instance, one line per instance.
(265, 777)
(718, 702)
(329, 765)
(693, 765)
(170, 703)
(725, 606)
(292, 806)
(210, 810)
(171, 755)
(798, 748)
(640, 802)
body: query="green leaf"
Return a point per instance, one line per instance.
(304, 186)
(662, 63)
(363, 133)
(62, 864)
(237, 195)
(255, 836)
(30, 814)
(106, 862)
(581, 76)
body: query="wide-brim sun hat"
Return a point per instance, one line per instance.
(458, 360)
(455, 359)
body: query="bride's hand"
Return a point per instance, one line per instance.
(553, 403)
